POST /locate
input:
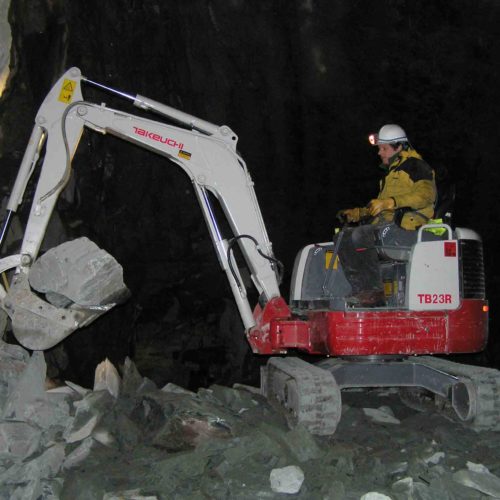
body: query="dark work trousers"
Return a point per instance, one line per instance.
(359, 257)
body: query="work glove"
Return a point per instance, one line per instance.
(376, 206)
(349, 215)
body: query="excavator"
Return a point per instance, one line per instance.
(435, 288)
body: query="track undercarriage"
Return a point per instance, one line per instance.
(311, 394)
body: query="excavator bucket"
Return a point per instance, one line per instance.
(80, 282)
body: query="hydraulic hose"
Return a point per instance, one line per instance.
(279, 265)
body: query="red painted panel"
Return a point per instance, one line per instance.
(367, 333)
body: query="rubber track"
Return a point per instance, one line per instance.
(318, 395)
(487, 384)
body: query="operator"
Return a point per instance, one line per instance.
(408, 183)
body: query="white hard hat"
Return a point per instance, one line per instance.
(388, 134)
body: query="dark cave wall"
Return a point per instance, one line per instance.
(301, 82)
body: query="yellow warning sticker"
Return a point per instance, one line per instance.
(66, 94)
(328, 260)
(184, 154)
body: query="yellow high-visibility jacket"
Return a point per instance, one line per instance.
(410, 183)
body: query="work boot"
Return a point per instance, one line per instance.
(367, 298)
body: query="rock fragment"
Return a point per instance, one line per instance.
(79, 454)
(170, 387)
(374, 495)
(80, 271)
(404, 485)
(45, 466)
(27, 400)
(131, 378)
(287, 479)
(129, 495)
(303, 444)
(382, 415)
(89, 411)
(435, 458)
(477, 467)
(485, 482)
(106, 378)
(18, 439)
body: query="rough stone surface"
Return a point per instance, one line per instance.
(18, 439)
(221, 442)
(107, 378)
(287, 479)
(28, 391)
(382, 415)
(80, 271)
(484, 482)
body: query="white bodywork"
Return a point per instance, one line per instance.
(433, 270)
(208, 156)
(434, 276)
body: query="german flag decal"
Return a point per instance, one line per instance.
(184, 154)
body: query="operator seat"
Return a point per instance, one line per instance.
(445, 202)
(395, 243)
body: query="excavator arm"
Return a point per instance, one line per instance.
(207, 154)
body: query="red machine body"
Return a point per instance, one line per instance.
(371, 332)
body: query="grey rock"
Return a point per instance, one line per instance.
(104, 436)
(422, 491)
(381, 415)
(178, 470)
(131, 378)
(445, 488)
(38, 489)
(258, 445)
(249, 388)
(27, 400)
(135, 494)
(80, 271)
(334, 490)
(237, 400)
(79, 454)
(435, 458)
(477, 467)
(31, 491)
(13, 351)
(129, 435)
(106, 378)
(176, 389)
(482, 481)
(58, 300)
(89, 412)
(147, 385)
(45, 466)
(18, 439)
(303, 444)
(287, 479)
(404, 485)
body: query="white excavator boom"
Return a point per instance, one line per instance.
(207, 154)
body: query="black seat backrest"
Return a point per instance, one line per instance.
(445, 201)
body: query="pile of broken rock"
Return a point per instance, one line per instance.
(128, 439)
